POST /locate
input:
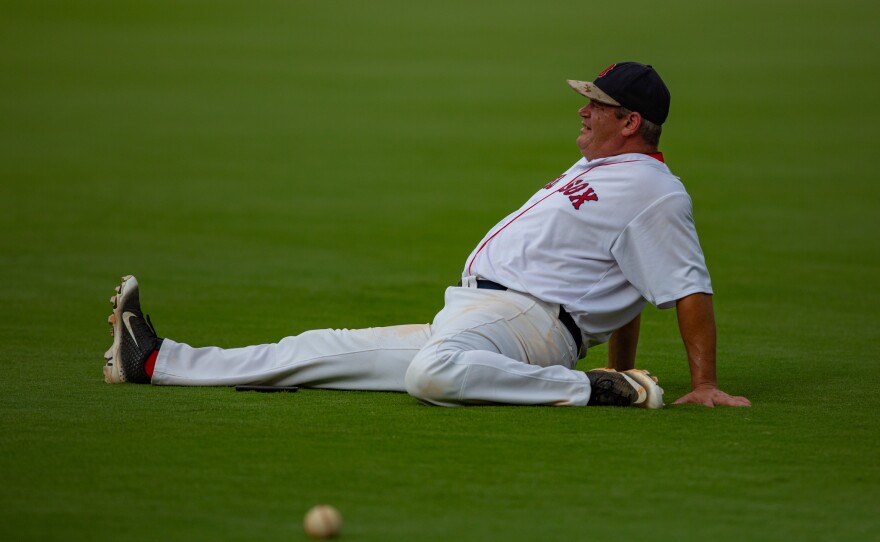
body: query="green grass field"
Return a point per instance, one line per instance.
(272, 167)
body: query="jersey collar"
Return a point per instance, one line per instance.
(655, 155)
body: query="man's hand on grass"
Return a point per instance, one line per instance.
(711, 396)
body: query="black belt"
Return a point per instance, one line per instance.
(564, 317)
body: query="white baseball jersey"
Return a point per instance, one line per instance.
(600, 240)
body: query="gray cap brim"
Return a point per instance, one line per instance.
(591, 91)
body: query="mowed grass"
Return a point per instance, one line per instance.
(285, 166)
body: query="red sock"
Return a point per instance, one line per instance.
(150, 364)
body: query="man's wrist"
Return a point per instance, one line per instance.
(704, 386)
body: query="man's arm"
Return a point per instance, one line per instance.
(622, 346)
(696, 321)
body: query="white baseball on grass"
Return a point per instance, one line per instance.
(322, 521)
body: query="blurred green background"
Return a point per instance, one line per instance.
(270, 167)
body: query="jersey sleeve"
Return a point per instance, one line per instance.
(659, 252)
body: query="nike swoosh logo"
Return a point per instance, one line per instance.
(126, 317)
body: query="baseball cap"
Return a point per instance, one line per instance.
(635, 86)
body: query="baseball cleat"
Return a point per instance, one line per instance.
(627, 388)
(134, 338)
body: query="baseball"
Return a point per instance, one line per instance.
(322, 521)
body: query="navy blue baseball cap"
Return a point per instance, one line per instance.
(635, 86)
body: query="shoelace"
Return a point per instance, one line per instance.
(150, 323)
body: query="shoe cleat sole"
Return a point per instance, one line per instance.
(649, 382)
(113, 373)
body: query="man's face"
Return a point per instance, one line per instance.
(601, 132)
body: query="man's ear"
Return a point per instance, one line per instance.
(633, 122)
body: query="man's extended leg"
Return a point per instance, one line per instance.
(365, 359)
(373, 359)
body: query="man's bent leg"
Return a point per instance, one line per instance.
(373, 359)
(497, 347)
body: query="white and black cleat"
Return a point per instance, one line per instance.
(134, 338)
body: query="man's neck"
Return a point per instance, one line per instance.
(629, 146)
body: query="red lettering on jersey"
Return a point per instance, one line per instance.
(549, 185)
(606, 70)
(573, 187)
(579, 185)
(589, 195)
(567, 185)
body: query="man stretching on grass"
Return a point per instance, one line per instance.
(570, 269)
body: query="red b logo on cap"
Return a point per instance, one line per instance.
(606, 70)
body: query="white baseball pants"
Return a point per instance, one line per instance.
(484, 347)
